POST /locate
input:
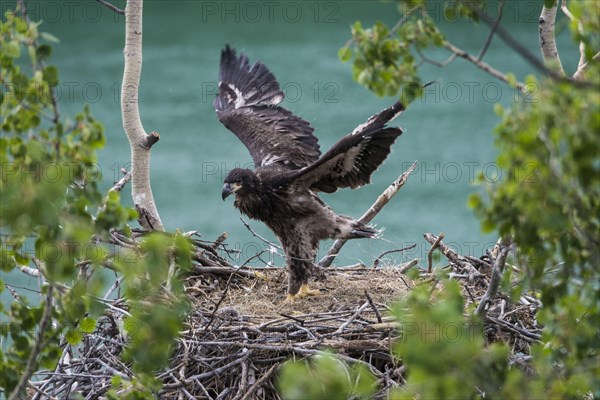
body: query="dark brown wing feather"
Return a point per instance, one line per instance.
(354, 158)
(247, 105)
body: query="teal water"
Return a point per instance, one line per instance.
(448, 132)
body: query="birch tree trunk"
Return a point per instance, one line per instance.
(548, 38)
(139, 141)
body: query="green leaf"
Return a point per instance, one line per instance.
(345, 54)
(49, 37)
(43, 51)
(549, 3)
(74, 336)
(87, 325)
(51, 75)
(12, 49)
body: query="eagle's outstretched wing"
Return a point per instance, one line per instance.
(247, 105)
(352, 160)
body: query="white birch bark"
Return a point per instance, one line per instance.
(548, 38)
(139, 140)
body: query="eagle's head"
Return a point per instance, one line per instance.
(239, 181)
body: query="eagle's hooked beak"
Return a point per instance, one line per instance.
(229, 188)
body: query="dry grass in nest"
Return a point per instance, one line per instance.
(263, 298)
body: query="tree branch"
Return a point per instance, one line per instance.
(139, 141)
(117, 187)
(548, 39)
(37, 347)
(381, 201)
(486, 45)
(111, 6)
(483, 65)
(578, 75)
(572, 18)
(454, 257)
(497, 269)
(517, 46)
(434, 245)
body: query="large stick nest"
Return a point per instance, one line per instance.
(241, 331)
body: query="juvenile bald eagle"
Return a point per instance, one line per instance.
(289, 168)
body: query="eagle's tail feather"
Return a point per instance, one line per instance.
(363, 231)
(243, 85)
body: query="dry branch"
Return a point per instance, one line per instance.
(381, 201)
(497, 270)
(455, 258)
(434, 245)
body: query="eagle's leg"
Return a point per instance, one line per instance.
(299, 272)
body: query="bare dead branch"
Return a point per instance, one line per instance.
(497, 270)
(378, 259)
(219, 240)
(453, 256)
(405, 267)
(430, 252)
(373, 306)
(381, 201)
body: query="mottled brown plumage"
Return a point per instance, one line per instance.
(289, 168)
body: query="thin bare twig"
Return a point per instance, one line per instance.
(111, 6)
(488, 40)
(247, 225)
(378, 259)
(483, 65)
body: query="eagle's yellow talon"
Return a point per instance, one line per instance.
(260, 275)
(305, 291)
